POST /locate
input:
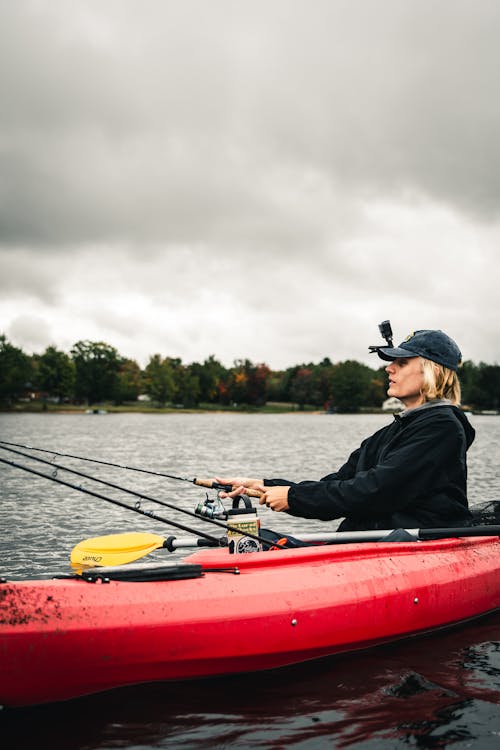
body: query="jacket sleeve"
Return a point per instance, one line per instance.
(409, 468)
(348, 470)
(345, 472)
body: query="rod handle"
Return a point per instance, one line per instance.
(226, 487)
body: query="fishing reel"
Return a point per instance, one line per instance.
(211, 508)
(243, 523)
(214, 508)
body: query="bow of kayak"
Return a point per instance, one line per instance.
(64, 638)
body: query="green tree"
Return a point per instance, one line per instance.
(160, 379)
(247, 383)
(377, 388)
(275, 391)
(480, 385)
(489, 386)
(235, 385)
(311, 384)
(469, 382)
(187, 386)
(323, 383)
(15, 372)
(97, 365)
(256, 380)
(56, 373)
(210, 375)
(351, 382)
(129, 382)
(286, 382)
(302, 386)
(186, 391)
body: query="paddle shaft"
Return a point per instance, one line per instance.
(349, 537)
(378, 535)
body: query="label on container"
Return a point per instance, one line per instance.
(238, 540)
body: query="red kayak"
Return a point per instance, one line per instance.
(64, 638)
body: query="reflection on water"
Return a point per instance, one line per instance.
(435, 692)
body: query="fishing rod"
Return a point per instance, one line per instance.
(197, 481)
(147, 513)
(140, 495)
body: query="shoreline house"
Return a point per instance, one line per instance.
(392, 404)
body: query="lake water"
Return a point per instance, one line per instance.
(434, 692)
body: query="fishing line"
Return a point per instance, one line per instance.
(199, 482)
(147, 513)
(108, 463)
(140, 495)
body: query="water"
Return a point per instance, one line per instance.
(434, 692)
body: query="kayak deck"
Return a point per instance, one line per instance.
(60, 639)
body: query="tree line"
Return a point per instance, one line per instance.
(94, 372)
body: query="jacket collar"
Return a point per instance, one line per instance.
(428, 405)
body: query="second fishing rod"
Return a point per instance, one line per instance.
(211, 511)
(207, 483)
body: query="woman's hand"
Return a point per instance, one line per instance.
(240, 485)
(275, 498)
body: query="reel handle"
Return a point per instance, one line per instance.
(226, 487)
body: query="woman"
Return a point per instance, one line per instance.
(411, 473)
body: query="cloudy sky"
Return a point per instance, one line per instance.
(249, 178)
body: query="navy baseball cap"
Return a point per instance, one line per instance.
(433, 345)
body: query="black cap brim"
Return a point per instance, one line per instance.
(389, 353)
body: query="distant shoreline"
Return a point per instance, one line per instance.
(108, 409)
(270, 408)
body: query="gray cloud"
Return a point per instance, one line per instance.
(248, 178)
(33, 330)
(122, 124)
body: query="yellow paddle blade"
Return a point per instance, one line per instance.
(114, 549)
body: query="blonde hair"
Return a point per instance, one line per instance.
(440, 382)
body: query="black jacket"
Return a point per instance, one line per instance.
(410, 474)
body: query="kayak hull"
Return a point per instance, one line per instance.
(61, 639)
